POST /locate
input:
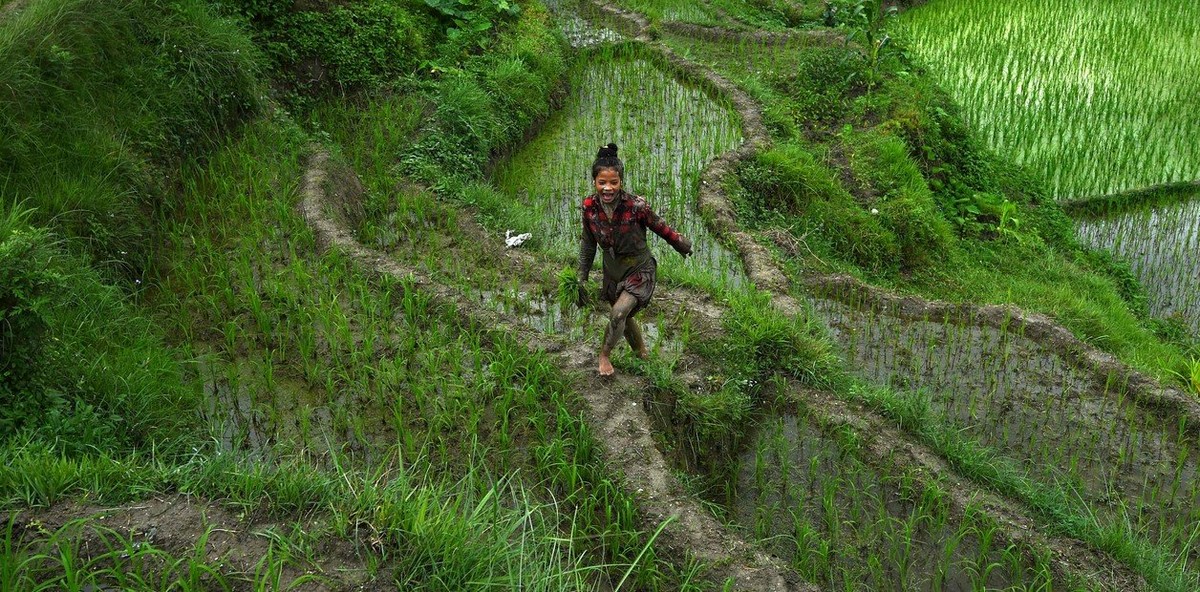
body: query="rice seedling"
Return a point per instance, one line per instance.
(1089, 96)
(841, 522)
(1159, 242)
(1064, 427)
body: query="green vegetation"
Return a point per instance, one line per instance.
(171, 326)
(1061, 87)
(892, 186)
(770, 15)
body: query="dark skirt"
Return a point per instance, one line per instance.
(639, 282)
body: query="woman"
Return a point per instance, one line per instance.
(617, 222)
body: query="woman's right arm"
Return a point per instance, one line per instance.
(587, 251)
(587, 254)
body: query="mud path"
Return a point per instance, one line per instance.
(624, 415)
(617, 410)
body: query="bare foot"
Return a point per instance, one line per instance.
(606, 367)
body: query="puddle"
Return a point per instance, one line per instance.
(667, 133)
(1013, 395)
(1162, 245)
(844, 525)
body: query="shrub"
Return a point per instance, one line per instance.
(78, 369)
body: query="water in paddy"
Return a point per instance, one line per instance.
(845, 525)
(667, 133)
(1021, 398)
(1162, 245)
(254, 408)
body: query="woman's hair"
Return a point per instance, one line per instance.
(606, 158)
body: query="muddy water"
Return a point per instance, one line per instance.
(1162, 245)
(1018, 397)
(842, 523)
(667, 133)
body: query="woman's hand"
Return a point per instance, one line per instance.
(581, 294)
(684, 247)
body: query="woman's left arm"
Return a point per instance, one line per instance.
(677, 241)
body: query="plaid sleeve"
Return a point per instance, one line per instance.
(652, 221)
(587, 248)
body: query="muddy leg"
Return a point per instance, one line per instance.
(615, 329)
(633, 334)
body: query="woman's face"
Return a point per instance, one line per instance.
(608, 184)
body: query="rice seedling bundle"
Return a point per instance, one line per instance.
(1095, 97)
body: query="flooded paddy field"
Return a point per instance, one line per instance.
(1161, 243)
(667, 132)
(843, 522)
(1065, 425)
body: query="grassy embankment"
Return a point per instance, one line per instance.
(1088, 98)
(173, 228)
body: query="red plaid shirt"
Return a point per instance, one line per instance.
(623, 237)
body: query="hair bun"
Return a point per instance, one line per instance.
(609, 151)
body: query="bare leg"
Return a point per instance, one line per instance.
(615, 329)
(633, 334)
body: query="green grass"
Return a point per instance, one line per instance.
(1088, 96)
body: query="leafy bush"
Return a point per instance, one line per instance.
(357, 46)
(471, 20)
(78, 369)
(821, 83)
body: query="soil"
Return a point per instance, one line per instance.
(616, 408)
(235, 542)
(768, 276)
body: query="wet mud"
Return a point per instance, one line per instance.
(614, 409)
(765, 274)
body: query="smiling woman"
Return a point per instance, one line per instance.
(617, 221)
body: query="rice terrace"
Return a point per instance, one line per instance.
(353, 295)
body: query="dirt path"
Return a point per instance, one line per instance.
(617, 407)
(617, 413)
(1074, 556)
